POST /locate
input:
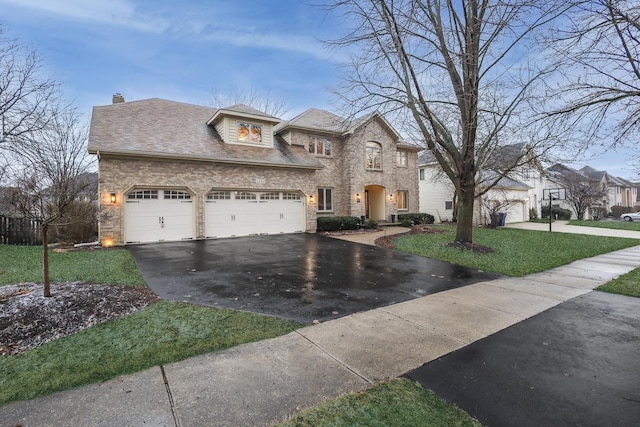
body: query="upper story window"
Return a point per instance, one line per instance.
(320, 146)
(421, 172)
(374, 156)
(526, 174)
(249, 132)
(401, 158)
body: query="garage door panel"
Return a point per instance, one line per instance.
(247, 213)
(150, 217)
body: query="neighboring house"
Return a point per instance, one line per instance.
(590, 188)
(175, 171)
(622, 192)
(514, 194)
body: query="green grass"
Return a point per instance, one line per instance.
(396, 403)
(162, 333)
(627, 284)
(24, 264)
(517, 252)
(617, 224)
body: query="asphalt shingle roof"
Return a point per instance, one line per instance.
(162, 128)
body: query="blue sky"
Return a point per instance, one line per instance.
(187, 50)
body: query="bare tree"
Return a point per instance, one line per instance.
(601, 50)
(463, 74)
(263, 101)
(582, 192)
(26, 95)
(47, 177)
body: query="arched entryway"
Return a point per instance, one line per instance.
(374, 202)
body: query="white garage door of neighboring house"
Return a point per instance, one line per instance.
(158, 215)
(242, 213)
(515, 212)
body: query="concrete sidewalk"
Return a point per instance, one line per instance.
(264, 382)
(564, 227)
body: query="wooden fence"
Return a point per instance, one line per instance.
(20, 231)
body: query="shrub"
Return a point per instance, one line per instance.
(533, 213)
(619, 210)
(417, 218)
(336, 223)
(406, 223)
(598, 213)
(556, 212)
(372, 223)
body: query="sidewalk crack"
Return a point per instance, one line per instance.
(176, 420)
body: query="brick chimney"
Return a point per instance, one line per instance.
(118, 99)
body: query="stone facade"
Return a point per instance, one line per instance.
(122, 175)
(187, 153)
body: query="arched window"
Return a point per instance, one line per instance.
(374, 156)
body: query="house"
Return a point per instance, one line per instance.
(622, 192)
(517, 177)
(586, 189)
(174, 171)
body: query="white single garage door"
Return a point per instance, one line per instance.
(243, 213)
(515, 212)
(158, 215)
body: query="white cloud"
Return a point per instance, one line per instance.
(113, 12)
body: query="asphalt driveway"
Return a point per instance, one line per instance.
(301, 277)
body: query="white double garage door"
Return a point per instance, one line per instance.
(153, 215)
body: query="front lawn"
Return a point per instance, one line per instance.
(24, 264)
(627, 284)
(161, 333)
(396, 403)
(517, 252)
(616, 224)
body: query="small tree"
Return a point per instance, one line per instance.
(47, 182)
(582, 192)
(26, 95)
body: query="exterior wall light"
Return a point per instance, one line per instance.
(358, 197)
(311, 198)
(391, 196)
(112, 198)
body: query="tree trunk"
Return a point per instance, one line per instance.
(464, 229)
(45, 260)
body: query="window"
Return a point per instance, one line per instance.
(403, 202)
(291, 196)
(374, 156)
(270, 196)
(219, 195)
(325, 200)
(176, 195)
(526, 174)
(320, 146)
(448, 205)
(421, 174)
(143, 194)
(243, 195)
(249, 132)
(401, 158)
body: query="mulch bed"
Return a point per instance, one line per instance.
(28, 319)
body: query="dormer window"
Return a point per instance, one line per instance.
(249, 132)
